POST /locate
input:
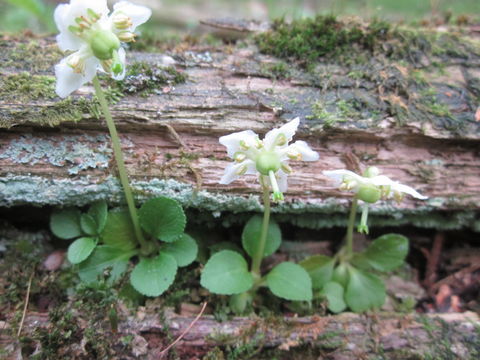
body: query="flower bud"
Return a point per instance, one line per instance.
(369, 193)
(267, 161)
(103, 44)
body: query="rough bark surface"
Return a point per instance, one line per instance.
(344, 336)
(55, 151)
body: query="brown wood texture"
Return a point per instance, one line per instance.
(343, 336)
(173, 132)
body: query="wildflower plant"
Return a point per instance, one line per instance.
(226, 272)
(92, 38)
(349, 280)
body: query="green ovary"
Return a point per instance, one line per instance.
(103, 44)
(266, 162)
(369, 193)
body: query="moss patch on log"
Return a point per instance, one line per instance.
(351, 41)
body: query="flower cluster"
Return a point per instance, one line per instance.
(95, 37)
(268, 157)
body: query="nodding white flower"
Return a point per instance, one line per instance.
(370, 188)
(95, 37)
(268, 157)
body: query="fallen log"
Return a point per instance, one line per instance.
(337, 337)
(415, 119)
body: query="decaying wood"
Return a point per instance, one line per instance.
(227, 90)
(343, 336)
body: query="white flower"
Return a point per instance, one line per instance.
(95, 38)
(268, 157)
(370, 188)
(372, 181)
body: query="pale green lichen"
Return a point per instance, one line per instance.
(40, 191)
(74, 152)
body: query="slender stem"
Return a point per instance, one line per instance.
(122, 171)
(258, 256)
(351, 223)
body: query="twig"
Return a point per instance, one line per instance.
(27, 298)
(185, 331)
(174, 133)
(433, 260)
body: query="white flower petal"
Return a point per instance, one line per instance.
(232, 141)
(230, 173)
(282, 180)
(339, 175)
(307, 153)
(289, 130)
(69, 81)
(408, 190)
(251, 167)
(139, 14)
(382, 180)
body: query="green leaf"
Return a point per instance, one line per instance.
(99, 212)
(102, 258)
(320, 269)
(118, 231)
(65, 224)
(340, 274)
(225, 245)
(151, 277)
(184, 250)
(226, 273)
(387, 252)
(364, 291)
(333, 292)
(251, 236)
(36, 7)
(80, 249)
(88, 225)
(162, 218)
(290, 281)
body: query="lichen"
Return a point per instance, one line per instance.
(145, 78)
(74, 152)
(326, 213)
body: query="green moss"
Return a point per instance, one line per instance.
(24, 87)
(32, 55)
(309, 39)
(277, 70)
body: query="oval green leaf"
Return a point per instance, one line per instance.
(99, 212)
(80, 249)
(184, 250)
(290, 281)
(387, 252)
(251, 236)
(226, 273)
(118, 231)
(320, 269)
(88, 225)
(334, 292)
(65, 224)
(102, 258)
(364, 291)
(151, 277)
(163, 218)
